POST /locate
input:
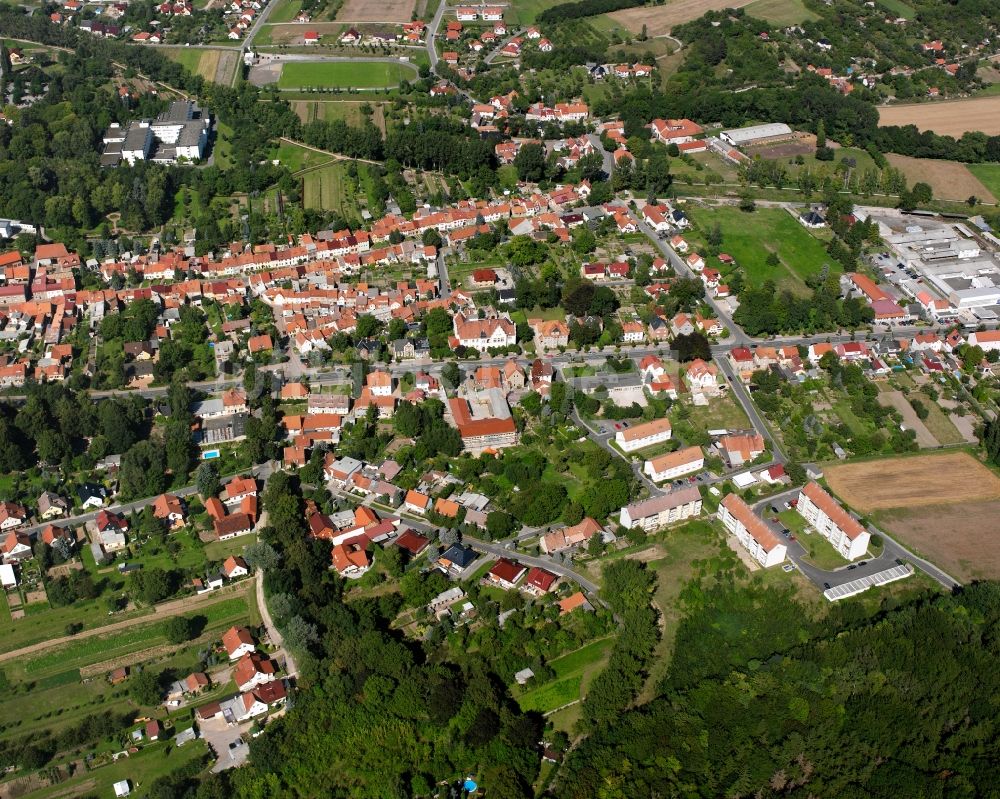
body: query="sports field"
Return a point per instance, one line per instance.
(950, 180)
(341, 74)
(953, 117)
(947, 478)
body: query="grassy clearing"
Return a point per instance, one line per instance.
(325, 74)
(296, 157)
(721, 412)
(326, 189)
(285, 11)
(685, 550)
(899, 8)
(988, 175)
(940, 426)
(750, 238)
(573, 672)
(780, 12)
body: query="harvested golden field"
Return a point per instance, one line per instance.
(909, 482)
(952, 118)
(950, 180)
(660, 19)
(367, 11)
(964, 541)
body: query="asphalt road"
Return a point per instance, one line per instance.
(743, 397)
(892, 551)
(607, 159)
(432, 30)
(262, 471)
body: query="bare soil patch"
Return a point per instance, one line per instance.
(660, 19)
(965, 544)
(950, 180)
(646, 555)
(804, 144)
(225, 68)
(385, 11)
(917, 481)
(895, 399)
(951, 117)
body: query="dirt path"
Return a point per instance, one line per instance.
(163, 611)
(895, 399)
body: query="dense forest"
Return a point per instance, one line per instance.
(760, 701)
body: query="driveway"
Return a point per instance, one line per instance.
(219, 734)
(892, 553)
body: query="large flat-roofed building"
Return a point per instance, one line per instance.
(752, 533)
(651, 514)
(180, 132)
(755, 134)
(942, 258)
(825, 515)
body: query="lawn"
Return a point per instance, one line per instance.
(285, 11)
(527, 11)
(750, 238)
(988, 175)
(187, 57)
(573, 671)
(223, 147)
(780, 12)
(899, 8)
(295, 157)
(346, 75)
(721, 412)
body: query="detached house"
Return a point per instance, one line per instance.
(238, 642)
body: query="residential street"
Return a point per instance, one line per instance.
(823, 578)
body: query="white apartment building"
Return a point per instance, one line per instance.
(827, 517)
(754, 536)
(643, 435)
(654, 513)
(675, 464)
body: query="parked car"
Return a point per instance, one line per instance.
(826, 586)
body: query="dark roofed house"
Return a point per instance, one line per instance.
(456, 558)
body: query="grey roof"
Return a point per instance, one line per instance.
(672, 499)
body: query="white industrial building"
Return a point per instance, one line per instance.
(754, 134)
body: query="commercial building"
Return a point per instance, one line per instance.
(825, 515)
(755, 134)
(674, 506)
(179, 133)
(751, 532)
